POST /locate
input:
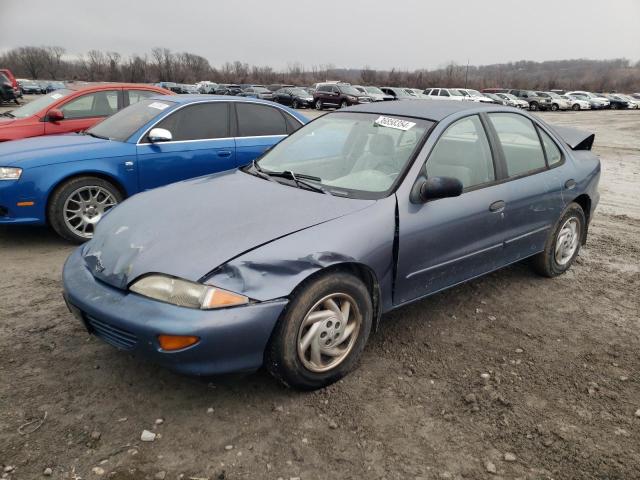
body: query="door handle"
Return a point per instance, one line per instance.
(224, 153)
(497, 206)
(569, 184)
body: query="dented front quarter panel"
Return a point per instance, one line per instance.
(274, 270)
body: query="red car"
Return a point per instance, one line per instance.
(7, 73)
(72, 109)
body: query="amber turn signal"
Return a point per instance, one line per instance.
(25, 204)
(176, 342)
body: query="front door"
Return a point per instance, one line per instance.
(201, 144)
(85, 111)
(447, 241)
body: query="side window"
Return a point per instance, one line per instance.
(335, 90)
(98, 104)
(259, 120)
(428, 91)
(444, 93)
(554, 156)
(434, 92)
(323, 88)
(198, 122)
(463, 152)
(520, 143)
(136, 95)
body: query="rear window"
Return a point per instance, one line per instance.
(259, 120)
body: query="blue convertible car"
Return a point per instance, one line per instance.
(70, 181)
(290, 261)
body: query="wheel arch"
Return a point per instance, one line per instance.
(89, 173)
(358, 270)
(585, 203)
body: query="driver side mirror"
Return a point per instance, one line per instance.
(432, 188)
(55, 115)
(158, 135)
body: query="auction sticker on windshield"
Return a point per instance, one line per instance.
(394, 123)
(158, 105)
(56, 96)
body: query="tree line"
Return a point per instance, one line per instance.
(163, 64)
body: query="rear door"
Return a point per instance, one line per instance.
(201, 144)
(85, 111)
(259, 127)
(535, 167)
(134, 95)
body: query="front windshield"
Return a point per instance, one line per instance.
(374, 90)
(554, 95)
(35, 106)
(464, 94)
(475, 93)
(121, 125)
(261, 90)
(349, 90)
(455, 93)
(355, 154)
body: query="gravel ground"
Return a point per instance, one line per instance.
(507, 376)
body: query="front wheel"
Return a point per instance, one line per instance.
(344, 104)
(563, 243)
(322, 333)
(318, 104)
(575, 107)
(295, 105)
(555, 107)
(78, 205)
(533, 106)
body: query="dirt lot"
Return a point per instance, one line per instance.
(561, 399)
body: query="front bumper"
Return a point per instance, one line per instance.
(231, 340)
(13, 193)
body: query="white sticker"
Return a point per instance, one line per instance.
(158, 105)
(394, 123)
(56, 96)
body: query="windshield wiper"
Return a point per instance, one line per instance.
(8, 114)
(94, 135)
(298, 178)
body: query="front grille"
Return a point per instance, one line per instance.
(113, 335)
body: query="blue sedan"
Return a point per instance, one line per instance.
(71, 181)
(291, 261)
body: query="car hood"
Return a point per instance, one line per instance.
(189, 228)
(48, 149)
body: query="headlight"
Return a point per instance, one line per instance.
(10, 173)
(185, 293)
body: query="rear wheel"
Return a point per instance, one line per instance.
(78, 205)
(555, 107)
(322, 333)
(563, 244)
(533, 106)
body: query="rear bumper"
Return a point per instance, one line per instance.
(231, 340)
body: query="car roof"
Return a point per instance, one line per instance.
(107, 86)
(434, 110)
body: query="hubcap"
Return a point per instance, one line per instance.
(567, 241)
(328, 332)
(84, 208)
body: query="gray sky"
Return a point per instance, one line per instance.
(406, 34)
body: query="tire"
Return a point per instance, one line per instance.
(319, 104)
(344, 104)
(290, 362)
(575, 107)
(294, 105)
(62, 200)
(555, 107)
(546, 262)
(533, 106)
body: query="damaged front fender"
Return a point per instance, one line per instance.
(276, 269)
